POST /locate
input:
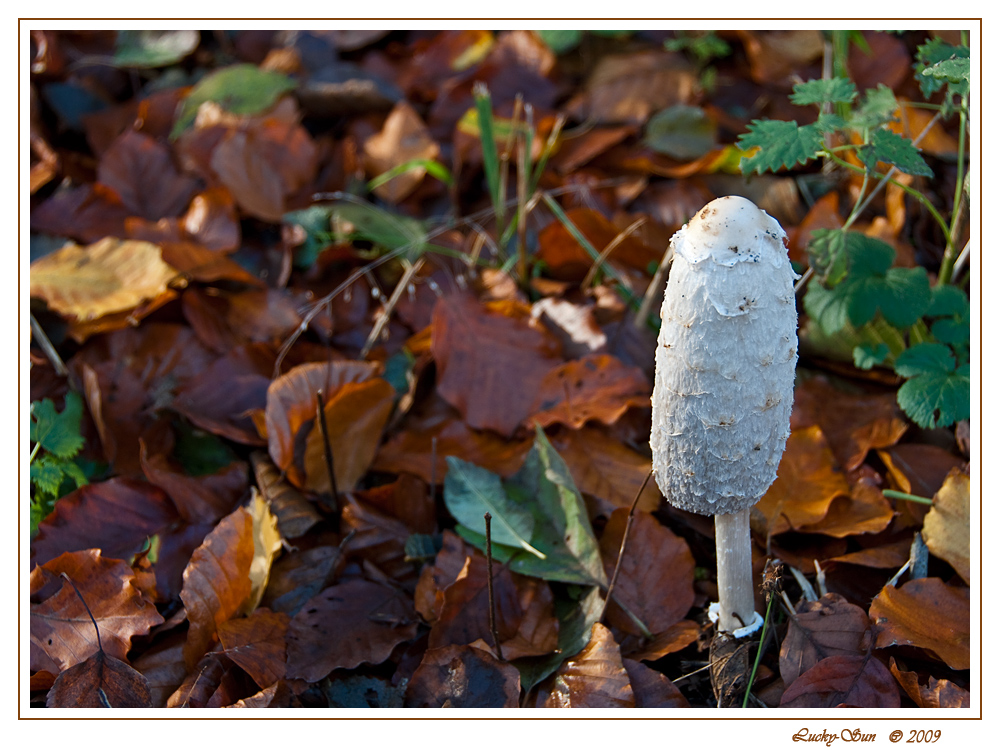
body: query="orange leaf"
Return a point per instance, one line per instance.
(946, 526)
(62, 633)
(597, 386)
(109, 276)
(403, 137)
(926, 613)
(653, 689)
(656, 578)
(257, 644)
(866, 511)
(357, 406)
(217, 581)
(594, 678)
(937, 694)
(807, 483)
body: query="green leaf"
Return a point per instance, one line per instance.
(381, 227)
(315, 221)
(937, 400)
(821, 91)
(866, 356)
(828, 307)
(931, 78)
(782, 144)
(892, 148)
(925, 359)
(947, 300)
(954, 70)
(434, 168)
(877, 108)
(47, 474)
(240, 89)
(827, 251)
(902, 296)
(471, 491)
(153, 49)
(491, 160)
(681, 132)
(558, 40)
(58, 433)
(200, 453)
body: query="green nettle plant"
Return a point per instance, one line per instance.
(57, 441)
(882, 315)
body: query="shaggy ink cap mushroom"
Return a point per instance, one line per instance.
(725, 360)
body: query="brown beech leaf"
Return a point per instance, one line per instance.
(212, 220)
(807, 483)
(919, 468)
(774, 55)
(937, 693)
(490, 360)
(217, 581)
(678, 636)
(599, 386)
(946, 526)
(866, 511)
(278, 695)
(257, 644)
(831, 626)
(403, 138)
(357, 406)
(375, 537)
(196, 262)
(566, 260)
(859, 681)
(224, 319)
(107, 277)
(295, 514)
(605, 468)
(86, 213)
(434, 579)
(656, 577)
(164, 669)
(117, 516)
(62, 629)
(101, 681)
(220, 398)
(410, 449)
(926, 613)
(853, 424)
(463, 677)
(653, 689)
(352, 623)
(200, 684)
(594, 678)
(892, 555)
(299, 575)
(407, 499)
(140, 170)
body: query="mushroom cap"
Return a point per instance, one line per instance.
(725, 360)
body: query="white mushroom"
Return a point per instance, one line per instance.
(725, 369)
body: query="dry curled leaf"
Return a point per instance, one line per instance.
(936, 694)
(257, 644)
(463, 677)
(99, 682)
(926, 613)
(859, 681)
(594, 678)
(831, 626)
(946, 526)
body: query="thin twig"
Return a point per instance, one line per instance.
(489, 589)
(410, 271)
(321, 418)
(621, 550)
(84, 601)
(50, 351)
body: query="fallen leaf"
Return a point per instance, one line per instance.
(435, 578)
(946, 527)
(163, 667)
(598, 387)
(200, 684)
(656, 577)
(257, 644)
(117, 516)
(352, 623)
(490, 360)
(299, 575)
(141, 171)
(926, 613)
(61, 627)
(653, 689)
(883, 556)
(919, 468)
(376, 538)
(278, 695)
(774, 55)
(194, 261)
(295, 514)
(211, 219)
(217, 581)
(109, 276)
(807, 483)
(831, 626)
(408, 499)
(463, 677)
(225, 320)
(866, 511)
(266, 544)
(99, 682)
(357, 406)
(87, 213)
(403, 138)
(860, 681)
(594, 678)
(677, 637)
(937, 693)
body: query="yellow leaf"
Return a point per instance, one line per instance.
(946, 526)
(266, 543)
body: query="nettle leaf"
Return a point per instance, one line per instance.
(876, 109)
(58, 433)
(47, 474)
(782, 143)
(892, 148)
(931, 78)
(834, 90)
(937, 393)
(867, 356)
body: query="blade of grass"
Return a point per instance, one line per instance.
(435, 169)
(491, 160)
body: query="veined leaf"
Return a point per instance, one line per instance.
(892, 148)
(866, 356)
(58, 433)
(878, 107)
(823, 90)
(782, 143)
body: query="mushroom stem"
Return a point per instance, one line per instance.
(735, 572)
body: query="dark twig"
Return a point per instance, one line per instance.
(489, 589)
(621, 550)
(321, 418)
(97, 629)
